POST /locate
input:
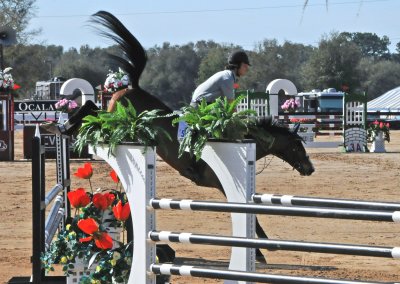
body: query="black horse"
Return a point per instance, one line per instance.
(287, 144)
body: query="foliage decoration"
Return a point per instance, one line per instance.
(65, 105)
(218, 120)
(87, 236)
(290, 105)
(6, 80)
(375, 127)
(116, 81)
(122, 125)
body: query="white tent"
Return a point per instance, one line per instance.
(388, 102)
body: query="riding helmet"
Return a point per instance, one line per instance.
(238, 57)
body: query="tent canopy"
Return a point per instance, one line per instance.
(389, 101)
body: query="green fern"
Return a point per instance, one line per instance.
(122, 125)
(217, 120)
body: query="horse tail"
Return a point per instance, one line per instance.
(134, 56)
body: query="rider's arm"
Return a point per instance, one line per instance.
(116, 97)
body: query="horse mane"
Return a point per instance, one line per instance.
(135, 57)
(273, 126)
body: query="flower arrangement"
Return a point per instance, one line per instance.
(378, 126)
(116, 81)
(65, 105)
(304, 121)
(88, 235)
(290, 105)
(6, 80)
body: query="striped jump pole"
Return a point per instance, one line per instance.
(361, 250)
(299, 211)
(185, 270)
(53, 193)
(290, 200)
(52, 228)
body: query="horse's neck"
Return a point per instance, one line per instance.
(274, 149)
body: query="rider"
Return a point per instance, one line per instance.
(221, 84)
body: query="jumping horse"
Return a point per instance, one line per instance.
(287, 143)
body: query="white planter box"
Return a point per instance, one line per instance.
(80, 269)
(378, 145)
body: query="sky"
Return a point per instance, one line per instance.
(244, 23)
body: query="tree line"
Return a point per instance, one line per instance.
(356, 61)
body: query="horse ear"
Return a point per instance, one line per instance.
(295, 128)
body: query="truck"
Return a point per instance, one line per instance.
(328, 100)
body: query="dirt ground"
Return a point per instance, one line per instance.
(364, 176)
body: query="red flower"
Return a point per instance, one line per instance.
(235, 86)
(101, 239)
(16, 86)
(121, 212)
(114, 176)
(103, 201)
(85, 172)
(78, 198)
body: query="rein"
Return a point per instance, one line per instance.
(265, 166)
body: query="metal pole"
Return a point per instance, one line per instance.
(185, 270)
(276, 210)
(289, 200)
(336, 248)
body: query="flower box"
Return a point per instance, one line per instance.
(114, 232)
(80, 270)
(378, 143)
(81, 266)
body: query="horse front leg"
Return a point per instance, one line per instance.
(261, 235)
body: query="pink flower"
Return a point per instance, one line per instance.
(72, 104)
(290, 104)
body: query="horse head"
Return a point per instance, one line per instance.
(286, 145)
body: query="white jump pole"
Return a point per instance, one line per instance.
(234, 165)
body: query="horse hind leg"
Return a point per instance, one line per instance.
(262, 235)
